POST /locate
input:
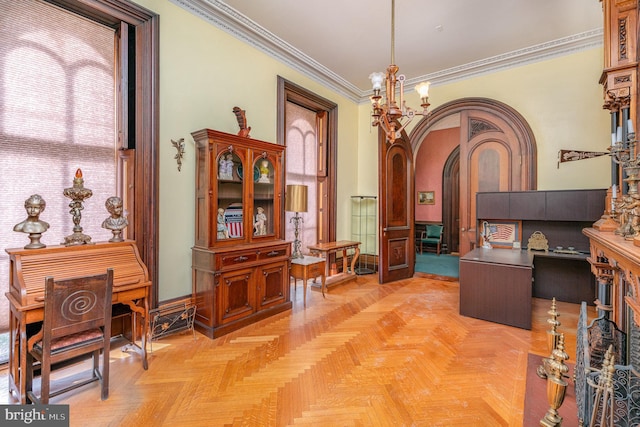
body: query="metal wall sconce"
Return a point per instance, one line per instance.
(180, 147)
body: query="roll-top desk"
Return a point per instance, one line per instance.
(30, 267)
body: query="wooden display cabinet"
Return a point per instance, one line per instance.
(240, 261)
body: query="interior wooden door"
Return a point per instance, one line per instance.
(490, 160)
(396, 241)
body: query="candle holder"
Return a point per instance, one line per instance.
(552, 339)
(556, 385)
(77, 194)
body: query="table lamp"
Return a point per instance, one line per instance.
(296, 201)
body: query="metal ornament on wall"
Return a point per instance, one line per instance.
(179, 145)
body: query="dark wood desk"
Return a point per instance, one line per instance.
(326, 249)
(496, 285)
(28, 269)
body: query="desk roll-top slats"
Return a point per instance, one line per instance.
(30, 267)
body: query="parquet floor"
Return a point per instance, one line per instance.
(368, 355)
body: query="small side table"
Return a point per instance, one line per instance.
(307, 268)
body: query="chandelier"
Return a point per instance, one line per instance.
(394, 116)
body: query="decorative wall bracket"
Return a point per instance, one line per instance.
(179, 145)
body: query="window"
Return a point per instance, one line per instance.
(307, 122)
(65, 102)
(302, 168)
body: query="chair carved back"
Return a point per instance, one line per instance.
(77, 305)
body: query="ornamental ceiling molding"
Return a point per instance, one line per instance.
(231, 21)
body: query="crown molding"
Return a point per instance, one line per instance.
(233, 22)
(536, 53)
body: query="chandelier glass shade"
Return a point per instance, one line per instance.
(390, 115)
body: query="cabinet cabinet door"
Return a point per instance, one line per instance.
(575, 205)
(273, 285)
(230, 191)
(527, 205)
(264, 213)
(492, 205)
(236, 291)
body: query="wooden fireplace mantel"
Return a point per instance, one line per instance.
(616, 261)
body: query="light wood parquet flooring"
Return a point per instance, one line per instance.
(397, 354)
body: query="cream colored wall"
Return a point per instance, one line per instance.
(561, 100)
(204, 73)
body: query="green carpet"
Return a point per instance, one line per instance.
(441, 265)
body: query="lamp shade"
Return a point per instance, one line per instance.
(296, 198)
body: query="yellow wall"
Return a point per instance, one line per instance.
(204, 73)
(561, 100)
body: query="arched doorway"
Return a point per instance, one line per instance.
(497, 152)
(451, 201)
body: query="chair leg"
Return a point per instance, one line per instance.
(29, 379)
(96, 364)
(45, 382)
(105, 374)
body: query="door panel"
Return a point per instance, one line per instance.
(397, 250)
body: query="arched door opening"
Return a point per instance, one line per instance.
(466, 146)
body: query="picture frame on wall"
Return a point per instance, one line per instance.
(503, 233)
(426, 198)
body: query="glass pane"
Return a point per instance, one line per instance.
(263, 198)
(229, 215)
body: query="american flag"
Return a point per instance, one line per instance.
(502, 231)
(233, 220)
(235, 229)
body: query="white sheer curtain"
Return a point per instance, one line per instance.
(57, 115)
(302, 149)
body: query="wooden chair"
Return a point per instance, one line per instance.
(432, 236)
(77, 321)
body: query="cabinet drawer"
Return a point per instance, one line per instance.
(272, 253)
(237, 258)
(317, 269)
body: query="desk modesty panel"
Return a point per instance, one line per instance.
(496, 285)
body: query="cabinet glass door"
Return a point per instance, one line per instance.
(229, 224)
(263, 193)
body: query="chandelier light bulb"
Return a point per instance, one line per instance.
(376, 80)
(423, 89)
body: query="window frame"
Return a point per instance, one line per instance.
(137, 61)
(327, 114)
